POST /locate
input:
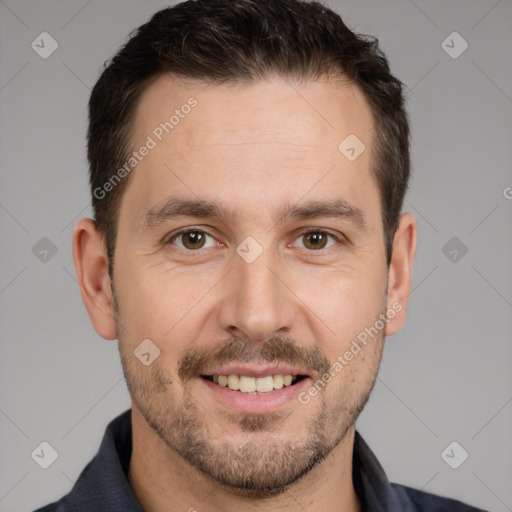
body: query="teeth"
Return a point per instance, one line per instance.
(278, 381)
(233, 382)
(247, 384)
(265, 384)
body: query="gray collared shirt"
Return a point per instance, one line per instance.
(103, 485)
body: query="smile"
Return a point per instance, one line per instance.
(254, 391)
(254, 385)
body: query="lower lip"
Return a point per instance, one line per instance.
(247, 403)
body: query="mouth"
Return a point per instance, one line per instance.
(252, 385)
(250, 389)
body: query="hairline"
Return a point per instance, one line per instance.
(336, 77)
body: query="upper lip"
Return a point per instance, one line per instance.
(255, 371)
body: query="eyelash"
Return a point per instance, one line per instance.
(184, 231)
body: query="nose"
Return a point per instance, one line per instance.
(256, 302)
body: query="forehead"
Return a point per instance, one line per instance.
(275, 110)
(267, 142)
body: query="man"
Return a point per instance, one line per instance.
(249, 161)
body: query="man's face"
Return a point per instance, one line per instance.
(254, 293)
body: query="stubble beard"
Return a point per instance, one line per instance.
(271, 457)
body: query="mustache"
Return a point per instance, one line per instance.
(277, 349)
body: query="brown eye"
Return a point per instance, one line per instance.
(191, 240)
(316, 240)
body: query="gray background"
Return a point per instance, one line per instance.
(445, 377)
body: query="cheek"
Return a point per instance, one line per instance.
(163, 306)
(343, 304)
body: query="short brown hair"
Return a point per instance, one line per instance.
(243, 41)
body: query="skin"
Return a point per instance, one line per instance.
(252, 149)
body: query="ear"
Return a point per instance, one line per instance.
(91, 265)
(400, 272)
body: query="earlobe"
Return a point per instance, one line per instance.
(400, 272)
(91, 265)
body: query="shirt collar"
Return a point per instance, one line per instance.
(371, 483)
(103, 484)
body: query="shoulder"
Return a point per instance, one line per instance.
(52, 507)
(426, 502)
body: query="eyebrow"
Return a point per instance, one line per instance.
(202, 209)
(334, 208)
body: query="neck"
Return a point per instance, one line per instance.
(163, 482)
